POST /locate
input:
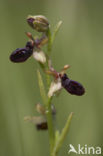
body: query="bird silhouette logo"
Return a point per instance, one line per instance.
(72, 149)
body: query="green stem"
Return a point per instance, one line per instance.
(48, 105)
(48, 81)
(49, 41)
(50, 125)
(47, 101)
(62, 136)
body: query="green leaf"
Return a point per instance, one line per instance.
(42, 88)
(63, 135)
(56, 29)
(57, 135)
(51, 36)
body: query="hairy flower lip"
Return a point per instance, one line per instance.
(18, 55)
(22, 54)
(73, 87)
(42, 126)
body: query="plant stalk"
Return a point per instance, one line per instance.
(50, 125)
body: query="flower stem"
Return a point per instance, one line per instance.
(49, 41)
(50, 125)
(47, 103)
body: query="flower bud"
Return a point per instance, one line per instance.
(39, 23)
(39, 56)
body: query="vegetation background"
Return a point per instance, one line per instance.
(80, 44)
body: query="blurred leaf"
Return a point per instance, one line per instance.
(55, 31)
(42, 88)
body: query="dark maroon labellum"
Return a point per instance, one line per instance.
(42, 126)
(73, 87)
(22, 54)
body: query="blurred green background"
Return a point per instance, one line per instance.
(78, 43)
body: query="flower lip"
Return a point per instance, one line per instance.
(19, 55)
(22, 54)
(42, 126)
(73, 87)
(64, 77)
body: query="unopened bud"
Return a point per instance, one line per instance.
(39, 56)
(39, 23)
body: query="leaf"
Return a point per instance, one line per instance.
(56, 29)
(57, 135)
(42, 88)
(51, 36)
(63, 134)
